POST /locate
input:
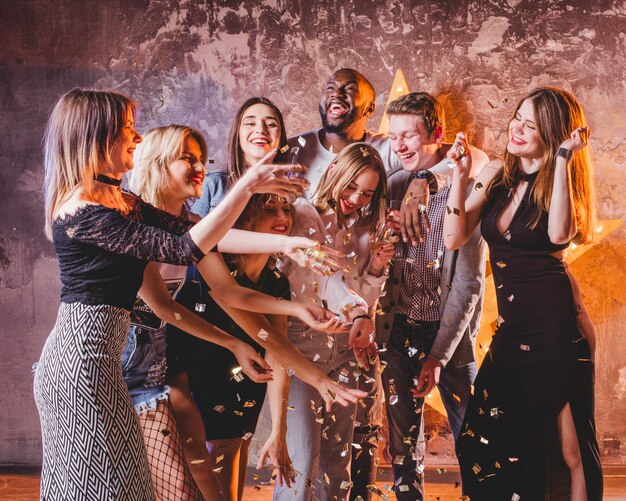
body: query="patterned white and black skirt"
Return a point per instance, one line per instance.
(93, 447)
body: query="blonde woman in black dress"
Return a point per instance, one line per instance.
(534, 390)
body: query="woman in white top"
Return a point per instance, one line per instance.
(347, 213)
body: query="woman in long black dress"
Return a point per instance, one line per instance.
(103, 238)
(535, 387)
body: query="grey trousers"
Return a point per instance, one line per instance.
(320, 442)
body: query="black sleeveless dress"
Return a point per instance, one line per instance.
(537, 363)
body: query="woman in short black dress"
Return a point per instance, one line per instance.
(534, 389)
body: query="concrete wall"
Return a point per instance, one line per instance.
(193, 62)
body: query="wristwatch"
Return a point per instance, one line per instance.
(430, 179)
(565, 153)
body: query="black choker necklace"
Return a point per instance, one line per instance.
(108, 180)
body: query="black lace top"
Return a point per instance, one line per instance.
(102, 254)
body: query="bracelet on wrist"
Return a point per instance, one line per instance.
(565, 153)
(361, 316)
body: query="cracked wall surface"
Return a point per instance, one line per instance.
(194, 62)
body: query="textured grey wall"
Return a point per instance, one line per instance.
(193, 62)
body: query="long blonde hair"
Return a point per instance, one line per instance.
(350, 162)
(81, 131)
(160, 147)
(557, 115)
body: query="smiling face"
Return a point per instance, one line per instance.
(524, 139)
(275, 217)
(412, 143)
(359, 191)
(123, 151)
(259, 132)
(187, 172)
(346, 99)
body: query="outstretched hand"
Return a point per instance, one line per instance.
(275, 448)
(319, 318)
(333, 392)
(252, 363)
(309, 253)
(282, 180)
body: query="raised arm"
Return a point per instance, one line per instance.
(259, 329)
(156, 296)
(463, 214)
(562, 217)
(217, 275)
(415, 200)
(260, 178)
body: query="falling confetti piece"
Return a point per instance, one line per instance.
(515, 497)
(165, 432)
(501, 264)
(500, 320)
(452, 210)
(476, 468)
(301, 141)
(218, 408)
(197, 461)
(284, 149)
(177, 315)
(263, 334)
(219, 458)
(478, 186)
(524, 347)
(249, 403)
(247, 435)
(483, 440)
(200, 307)
(510, 298)
(441, 471)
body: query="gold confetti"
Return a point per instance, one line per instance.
(441, 471)
(483, 440)
(510, 298)
(284, 149)
(301, 141)
(501, 264)
(197, 461)
(219, 458)
(524, 347)
(476, 468)
(346, 238)
(263, 334)
(248, 404)
(478, 186)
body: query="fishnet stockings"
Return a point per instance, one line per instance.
(170, 473)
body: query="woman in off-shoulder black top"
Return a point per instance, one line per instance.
(531, 417)
(92, 443)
